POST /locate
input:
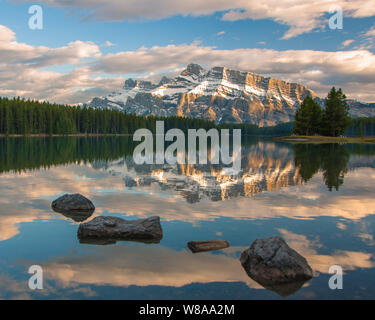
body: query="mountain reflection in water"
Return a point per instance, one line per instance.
(282, 189)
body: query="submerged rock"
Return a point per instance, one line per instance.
(200, 246)
(111, 229)
(276, 266)
(74, 206)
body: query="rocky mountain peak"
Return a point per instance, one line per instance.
(164, 80)
(130, 84)
(219, 94)
(193, 69)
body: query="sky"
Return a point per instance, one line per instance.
(87, 48)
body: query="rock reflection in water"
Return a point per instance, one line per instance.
(76, 216)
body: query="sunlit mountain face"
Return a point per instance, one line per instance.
(319, 198)
(219, 94)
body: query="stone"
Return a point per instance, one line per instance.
(74, 206)
(276, 266)
(201, 246)
(112, 229)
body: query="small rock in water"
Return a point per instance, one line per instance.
(112, 229)
(200, 246)
(74, 206)
(276, 266)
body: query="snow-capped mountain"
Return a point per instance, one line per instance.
(219, 94)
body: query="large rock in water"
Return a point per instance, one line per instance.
(276, 266)
(74, 206)
(110, 229)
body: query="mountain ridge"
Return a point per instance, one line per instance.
(218, 94)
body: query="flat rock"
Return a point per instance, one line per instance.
(111, 229)
(69, 203)
(276, 266)
(201, 246)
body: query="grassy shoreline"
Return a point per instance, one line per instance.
(323, 139)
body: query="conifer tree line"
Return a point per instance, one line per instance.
(333, 120)
(20, 116)
(362, 127)
(23, 117)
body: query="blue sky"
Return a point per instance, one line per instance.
(87, 48)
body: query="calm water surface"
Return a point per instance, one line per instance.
(319, 198)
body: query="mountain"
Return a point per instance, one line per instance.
(218, 94)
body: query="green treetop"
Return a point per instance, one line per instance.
(308, 118)
(336, 114)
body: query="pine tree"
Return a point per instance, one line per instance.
(308, 118)
(336, 114)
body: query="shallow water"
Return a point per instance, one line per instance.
(319, 198)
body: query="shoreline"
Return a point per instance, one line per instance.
(43, 135)
(324, 139)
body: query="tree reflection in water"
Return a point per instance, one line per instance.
(330, 159)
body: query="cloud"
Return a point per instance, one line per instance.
(353, 70)
(347, 43)
(26, 55)
(220, 33)
(30, 71)
(368, 39)
(299, 15)
(23, 70)
(371, 32)
(109, 44)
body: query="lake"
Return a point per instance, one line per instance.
(319, 198)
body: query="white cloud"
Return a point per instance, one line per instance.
(220, 33)
(371, 32)
(353, 70)
(23, 73)
(109, 44)
(88, 73)
(300, 16)
(347, 43)
(12, 51)
(367, 39)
